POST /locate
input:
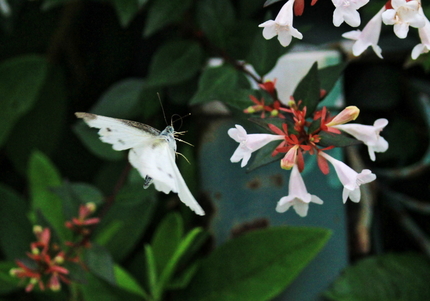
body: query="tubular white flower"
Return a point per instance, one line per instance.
(248, 143)
(298, 196)
(282, 26)
(346, 11)
(368, 134)
(404, 14)
(368, 37)
(350, 179)
(424, 46)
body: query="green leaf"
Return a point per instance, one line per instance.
(21, 79)
(43, 125)
(8, 283)
(100, 262)
(175, 62)
(330, 75)
(338, 140)
(248, 9)
(121, 100)
(162, 13)
(389, 277)
(173, 263)
(125, 281)
(126, 10)
(107, 233)
(151, 269)
(183, 280)
(264, 156)
(16, 230)
(42, 177)
(87, 193)
(167, 238)
(238, 98)
(215, 84)
(308, 90)
(123, 225)
(95, 289)
(264, 54)
(270, 2)
(314, 126)
(240, 35)
(76, 194)
(256, 266)
(215, 18)
(182, 93)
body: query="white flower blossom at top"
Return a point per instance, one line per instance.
(346, 10)
(248, 143)
(282, 26)
(424, 46)
(350, 179)
(368, 37)
(404, 14)
(368, 134)
(298, 196)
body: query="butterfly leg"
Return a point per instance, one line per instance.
(147, 182)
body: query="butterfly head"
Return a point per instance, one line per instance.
(169, 135)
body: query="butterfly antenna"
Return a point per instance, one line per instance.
(181, 118)
(162, 108)
(183, 156)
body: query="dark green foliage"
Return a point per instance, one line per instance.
(256, 266)
(383, 278)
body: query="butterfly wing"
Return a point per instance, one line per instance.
(152, 160)
(122, 134)
(152, 153)
(157, 160)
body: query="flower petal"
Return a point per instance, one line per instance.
(284, 37)
(269, 31)
(301, 208)
(284, 203)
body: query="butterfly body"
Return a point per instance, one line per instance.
(152, 153)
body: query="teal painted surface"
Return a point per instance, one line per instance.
(239, 197)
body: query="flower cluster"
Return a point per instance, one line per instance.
(402, 14)
(79, 224)
(298, 134)
(44, 266)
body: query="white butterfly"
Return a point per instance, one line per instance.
(152, 153)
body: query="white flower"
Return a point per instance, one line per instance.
(298, 196)
(368, 134)
(248, 143)
(424, 46)
(404, 14)
(350, 179)
(368, 37)
(282, 26)
(346, 10)
(5, 8)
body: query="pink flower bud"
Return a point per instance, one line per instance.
(348, 114)
(290, 158)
